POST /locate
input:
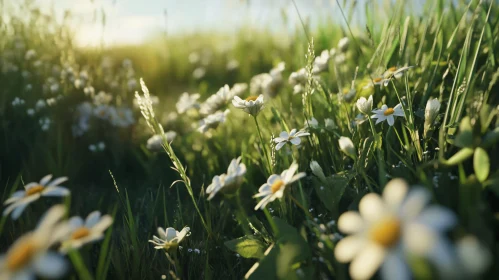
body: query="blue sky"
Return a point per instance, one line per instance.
(133, 21)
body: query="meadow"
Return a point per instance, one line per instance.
(335, 151)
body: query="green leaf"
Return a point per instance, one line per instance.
(460, 156)
(330, 194)
(247, 246)
(481, 164)
(465, 136)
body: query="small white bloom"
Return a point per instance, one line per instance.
(329, 123)
(228, 182)
(395, 72)
(343, 44)
(391, 228)
(17, 101)
(102, 98)
(121, 117)
(29, 255)
(232, 65)
(19, 200)
(155, 143)
(44, 123)
(84, 232)
(92, 148)
(317, 170)
(238, 89)
(297, 89)
(187, 101)
(293, 137)
(364, 105)
(89, 91)
(388, 114)
(30, 112)
(313, 123)
(321, 63)
(376, 81)
(474, 257)
(101, 146)
(30, 54)
(102, 112)
(218, 100)
(212, 121)
(199, 73)
(431, 110)
(169, 239)
(298, 78)
(276, 184)
(251, 105)
(346, 146)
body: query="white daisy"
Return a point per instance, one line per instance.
(321, 63)
(313, 123)
(375, 82)
(298, 78)
(388, 114)
(33, 191)
(364, 105)
(293, 137)
(343, 44)
(228, 183)
(187, 101)
(121, 117)
(102, 98)
(346, 146)
(395, 72)
(276, 184)
(216, 101)
(169, 239)
(102, 112)
(251, 105)
(212, 121)
(29, 255)
(155, 143)
(83, 232)
(238, 89)
(391, 228)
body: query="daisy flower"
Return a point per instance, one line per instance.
(228, 183)
(187, 101)
(212, 121)
(32, 192)
(346, 146)
(251, 105)
(155, 143)
(298, 78)
(216, 101)
(169, 239)
(82, 232)
(374, 82)
(388, 114)
(392, 227)
(321, 63)
(29, 255)
(293, 137)
(364, 105)
(395, 72)
(276, 184)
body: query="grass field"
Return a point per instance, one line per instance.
(336, 151)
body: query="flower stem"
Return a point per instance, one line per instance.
(267, 159)
(301, 206)
(381, 166)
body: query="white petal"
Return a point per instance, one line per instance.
(75, 222)
(295, 141)
(272, 179)
(51, 265)
(288, 173)
(390, 119)
(380, 119)
(437, 217)
(371, 207)
(279, 146)
(284, 135)
(419, 239)
(349, 247)
(14, 197)
(350, 222)
(105, 222)
(263, 202)
(24, 274)
(92, 219)
(395, 268)
(45, 179)
(170, 234)
(292, 132)
(365, 264)
(30, 185)
(297, 177)
(395, 192)
(183, 233)
(55, 191)
(51, 217)
(58, 181)
(415, 202)
(161, 233)
(443, 256)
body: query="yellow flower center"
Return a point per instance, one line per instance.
(392, 69)
(21, 255)
(80, 233)
(386, 232)
(251, 98)
(276, 185)
(34, 190)
(389, 111)
(377, 80)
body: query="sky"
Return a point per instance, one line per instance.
(133, 21)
